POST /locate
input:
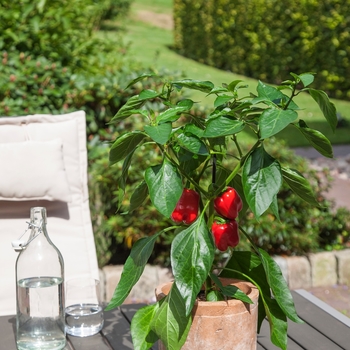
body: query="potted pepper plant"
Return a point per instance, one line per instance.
(203, 183)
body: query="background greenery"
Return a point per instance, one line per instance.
(60, 56)
(265, 39)
(153, 45)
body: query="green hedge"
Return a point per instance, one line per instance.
(268, 39)
(55, 29)
(51, 61)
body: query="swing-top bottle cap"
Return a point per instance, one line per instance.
(37, 219)
(17, 245)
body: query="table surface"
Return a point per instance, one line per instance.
(324, 329)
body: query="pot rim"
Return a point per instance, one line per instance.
(247, 287)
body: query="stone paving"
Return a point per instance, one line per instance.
(339, 168)
(336, 294)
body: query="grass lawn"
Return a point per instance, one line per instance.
(151, 45)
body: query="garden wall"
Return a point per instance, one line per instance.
(301, 272)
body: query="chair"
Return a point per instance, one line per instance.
(43, 162)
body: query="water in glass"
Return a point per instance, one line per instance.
(83, 320)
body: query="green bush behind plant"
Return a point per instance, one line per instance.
(56, 66)
(55, 29)
(301, 228)
(51, 62)
(268, 39)
(60, 30)
(115, 9)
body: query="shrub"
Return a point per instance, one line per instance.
(57, 29)
(300, 229)
(40, 85)
(116, 9)
(60, 30)
(32, 85)
(264, 39)
(115, 232)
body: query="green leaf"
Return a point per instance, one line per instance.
(273, 120)
(204, 86)
(262, 179)
(131, 107)
(270, 93)
(251, 265)
(279, 286)
(123, 177)
(194, 129)
(222, 99)
(139, 78)
(138, 196)
(192, 254)
(143, 337)
(306, 79)
(189, 161)
(231, 291)
(125, 168)
(223, 126)
(165, 187)
(215, 295)
(170, 322)
(40, 6)
(299, 185)
(274, 208)
(159, 133)
(235, 293)
(218, 90)
(124, 145)
(186, 103)
(233, 85)
(171, 114)
(326, 106)
(133, 269)
(278, 324)
(316, 139)
(192, 143)
(148, 94)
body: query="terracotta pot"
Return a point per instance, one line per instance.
(230, 325)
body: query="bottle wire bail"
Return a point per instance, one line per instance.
(19, 244)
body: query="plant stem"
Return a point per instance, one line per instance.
(240, 164)
(213, 173)
(183, 173)
(233, 173)
(291, 97)
(250, 240)
(237, 145)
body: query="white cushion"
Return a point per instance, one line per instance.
(33, 170)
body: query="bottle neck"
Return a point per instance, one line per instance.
(37, 221)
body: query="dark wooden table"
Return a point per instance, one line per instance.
(324, 329)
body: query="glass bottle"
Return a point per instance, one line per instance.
(40, 290)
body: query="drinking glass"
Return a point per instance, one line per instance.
(84, 312)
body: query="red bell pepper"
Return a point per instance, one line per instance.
(228, 204)
(186, 209)
(226, 234)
